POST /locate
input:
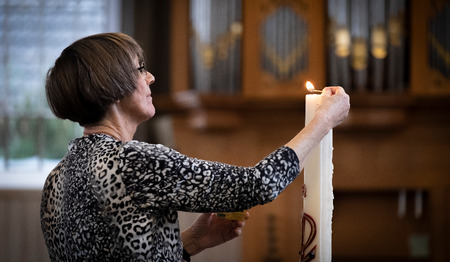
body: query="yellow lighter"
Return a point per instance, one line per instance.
(232, 215)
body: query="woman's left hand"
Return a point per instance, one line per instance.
(210, 230)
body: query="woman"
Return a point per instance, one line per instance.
(114, 198)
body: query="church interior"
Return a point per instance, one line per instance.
(230, 87)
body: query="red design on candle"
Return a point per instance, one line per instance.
(305, 255)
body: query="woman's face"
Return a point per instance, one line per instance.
(139, 105)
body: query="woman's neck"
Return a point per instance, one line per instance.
(107, 130)
(114, 124)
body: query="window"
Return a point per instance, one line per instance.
(33, 33)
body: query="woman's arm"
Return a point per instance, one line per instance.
(158, 177)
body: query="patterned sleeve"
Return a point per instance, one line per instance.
(158, 177)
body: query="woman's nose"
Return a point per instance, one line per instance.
(149, 78)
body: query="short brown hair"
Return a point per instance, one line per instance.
(91, 74)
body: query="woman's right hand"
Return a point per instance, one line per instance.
(335, 105)
(332, 111)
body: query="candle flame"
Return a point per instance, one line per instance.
(309, 86)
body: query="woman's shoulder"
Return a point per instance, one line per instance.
(144, 146)
(135, 147)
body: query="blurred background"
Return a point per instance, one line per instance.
(229, 87)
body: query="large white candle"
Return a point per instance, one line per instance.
(317, 195)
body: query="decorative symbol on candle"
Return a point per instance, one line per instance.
(310, 87)
(304, 255)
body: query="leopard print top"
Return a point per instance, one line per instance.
(113, 201)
